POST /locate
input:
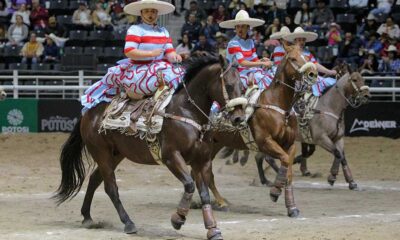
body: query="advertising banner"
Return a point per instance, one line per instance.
(58, 115)
(18, 116)
(374, 119)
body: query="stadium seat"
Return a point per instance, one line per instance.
(78, 35)
(396, 17)
(103, 67)
(2, 66)
(113, 52)
(39, 33)
(98, 51)
(12, 51)
(18, 66)
(57, 67)
(381, 17)
(78, 62)
(64, 19)
(312, 4)
(73, 50)
(41, 67)
(119, 35)
(58, 7)
(347, 22)
(295, 4)
(99, 35)
(338, 4)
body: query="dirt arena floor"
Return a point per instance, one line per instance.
(30, 173)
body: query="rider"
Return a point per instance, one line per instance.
(150, 52)
(242, 49)
(279, 52)
(300, 38)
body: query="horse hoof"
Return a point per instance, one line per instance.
(87, 223)
(293, 212)
(331, 180)
(130, 228)
(214, 234)
(274, 193)
(177, 221)
(353, 186)
(306, 173)
(221, 208)
(273, 197)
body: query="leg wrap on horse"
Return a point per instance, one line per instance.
(281, 178)
(347, 174)
(289, 197)
(184, 204)
(209, 220)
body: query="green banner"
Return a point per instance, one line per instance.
(18, 116)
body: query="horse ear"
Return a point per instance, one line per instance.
(222, 61)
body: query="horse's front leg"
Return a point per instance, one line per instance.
(293, 211)
(177, 165)
(202, 174)
(346, 169)
(222, 205)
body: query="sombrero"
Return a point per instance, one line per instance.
(162, 7)
(242, 18)
(278, 35)
(300, 33)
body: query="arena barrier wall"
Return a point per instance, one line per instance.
(46, 115)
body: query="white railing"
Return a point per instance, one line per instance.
(74, 86)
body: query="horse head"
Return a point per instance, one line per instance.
(342, 68)
(3, 94)
(230, 86)
(299, 68)
(355, 90)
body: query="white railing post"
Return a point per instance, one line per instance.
(393, 93)
(15, 83)
(81, 77)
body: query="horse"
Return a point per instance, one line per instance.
(183, 140)
(272, 124)
(327, 126)
(3, 94)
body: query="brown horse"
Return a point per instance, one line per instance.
(181, 141)
(272, 124)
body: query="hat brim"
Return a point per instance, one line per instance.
(309, 36)
(276, 36)
(136, 7)
(252, 22)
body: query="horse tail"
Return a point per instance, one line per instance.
(72, 166)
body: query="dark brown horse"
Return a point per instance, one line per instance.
(272, 124)
(208, 80)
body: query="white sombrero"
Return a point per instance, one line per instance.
(162, 7)
(300, 33)
(242, 18)
(278, 35)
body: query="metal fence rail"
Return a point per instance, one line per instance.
(73, 86)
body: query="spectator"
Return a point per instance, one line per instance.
(185, 47)
(273, 13)
(391, 63)
(17, 32)
(28, 3)
(39, 15)
(390, 28)
(242, 6)
(4, 13)
(220, 14)
(210, 29)
(260, 12)
(51, 51)
(303, 17)
(333, 35)
(196, 11)
(349, 49)
(82, 18)
(192, 28)
(233, 6)
(289, 23)
(358, 3)
(368, 27)
(32, 50)
(384, 6)
(322, 16)
(3, 35)
(22, 11)
(101, 17)
(55, 28)
(373, 43)
(370, 64)
(222, 43)
(386, 42)
(273, 28)
(203, 47)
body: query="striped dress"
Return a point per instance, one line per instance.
(138, 76)
(322, 82)
(240, 49)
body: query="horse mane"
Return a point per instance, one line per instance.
(194, 66)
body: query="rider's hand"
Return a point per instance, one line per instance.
(156, 52)
(267, 64)
(333, 72)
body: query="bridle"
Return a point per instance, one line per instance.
(357, 98)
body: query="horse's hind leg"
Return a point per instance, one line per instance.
(222, 205)
(94, 182)
(306, 151)
(106, 165)
(245, 157)
(259, 161)
(346, 169)
(177, 165)
(326, 143)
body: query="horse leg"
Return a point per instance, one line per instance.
(307, 150)
(202, 173)
(272, 163)
(345, 167)
(326, 143)
(106, 169)
(259, 161)
(221, 202)
(94, 182)
(177, 165)
(245, 157)
(235, 157)
(290, 204)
